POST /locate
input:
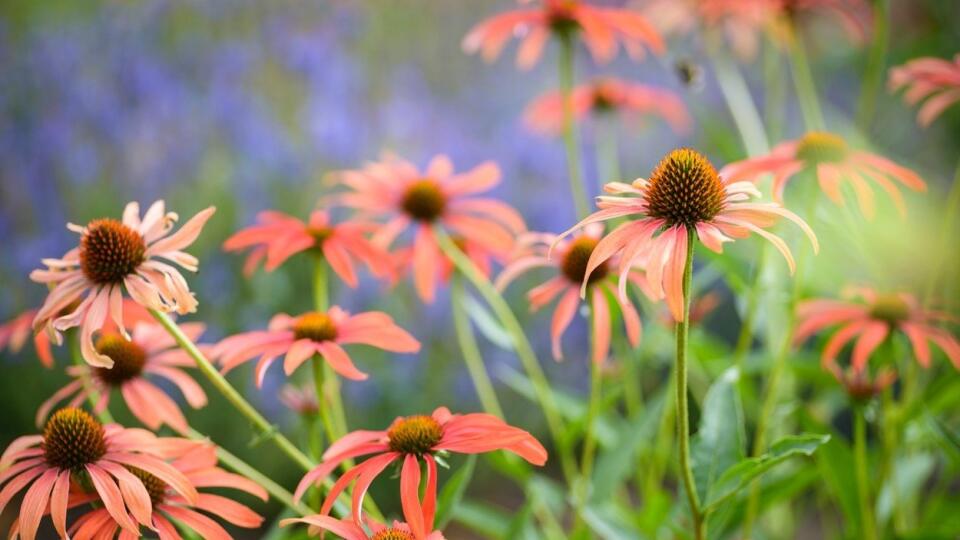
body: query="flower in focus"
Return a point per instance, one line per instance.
(832, 162)
(608, 96)
(394, 189)
(571, 266)
(349, 530)
(934, 81)
(872, 321)
(76, 449)
(300, 399)
(150, 351)
(197, 461)
(277, 237)
(112, 256)
(412, 439)
(299, 338)
(14, 333)
(684, 195)
(600, 27)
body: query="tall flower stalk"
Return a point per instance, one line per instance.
(570, 139)
(864, 499)
(469, 349)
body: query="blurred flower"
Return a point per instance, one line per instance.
(872, 321)
(570, 266)
(700, 308)
(600, 27)
(300, 399)
(301, 337)
(395, 189)
(348, 530)
(832, 162)
(197, 461)
(150, 351)
(411, 439)
(76, 449)
(608, 96)
(114, 255)
(479, 254)
(278, 237)
(683, 195)
(14, 333)
(858, 382)
(934, 81)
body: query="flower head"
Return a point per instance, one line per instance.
(151, 351)
(113, 256)
(832, 161)
(934, 81)
(277, 237)
(409, 199)
(570, 265)
(300, 399)
(349, 530)
(323, 333)
(608, 96)
(74, 451)
(410, 440)
(872, 321)
(684, 194)
(601, 28)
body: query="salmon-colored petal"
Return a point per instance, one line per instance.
(410, 495)
(299, 352)
(871, 338)
(601, 326)
(340, 361)
(111, 496)
(674, 270)
(346, 529)
(918, 340)
(229, 510)
(425, 263)
(134, 493)
(562, 316)
(206, 527)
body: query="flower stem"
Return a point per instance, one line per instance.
(93, 396)
(325, 379)
(863, 484)
(741, 105)
(321, 298)
(608, 155)
(873, 75)
(570, 140)
(330, 431)
(471, 352)
(949, 216)
(524, 351)
(683, 414)
(803, 82)
(589, 440)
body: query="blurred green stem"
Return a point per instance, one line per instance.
(774, 104)
(873, 75)
(589, 439)
(804, 83)
(608, 155)
(93, 396)
(948, 236)
(570, 140)
(471, 352)
(683, 414)
(324, 378)
(523, 348)
(741, 105)
(863, 481)
(323, 410)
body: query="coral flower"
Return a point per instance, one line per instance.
(600, 27)
(833, 162)
(14, 333)
(299, 338)
(197, 461)
(872, 321)
(934, 81)
(394, 189)
(76, 449)
(606, 96)
(479, 254)
(278, 237)
(684, 193)
(412, 439)
(348, 530)
(114, 255)
(570, 267)
(300, 399)
(150, 351)
(741, 21)
(858, 383)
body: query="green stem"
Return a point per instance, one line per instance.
(863, 482)
(608, 155)
(329, 394)
(589, 439)
(471, 352)
(774, 104)
(949, 235)
(873, 75)
(570, 140)
(741, 105)
(93, 396)
(330, 431)
(528, 358)
(683, 414)
(321, 297)
(804, 83)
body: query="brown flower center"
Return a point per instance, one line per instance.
(819, 147)
(128, 359)
(315, 326)
(320, 234)
(392, 534)
(561, 18)
(156, 487)
(414, 435)
(72, 439)
(110, 251)
(574, 262)
(890, 308)
(424, 201)
(684, 189)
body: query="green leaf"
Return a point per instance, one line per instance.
(452, 492)
(487, 324)
(720, 441)
(740, 475)
(910, 473)
(482, 518)
(611, 523)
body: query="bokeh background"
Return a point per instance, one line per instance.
(249, 105)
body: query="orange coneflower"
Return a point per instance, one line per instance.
(76, 448)
(604, 96)
(395, 189)
(299, 338)
(872, 321)
(277, 237)
(150, 351)
(197, 461)
(684, 194)
(571, 266)
(112, 256)
(349, 530)
(934, 81)
(412, 439)
(833, 162)
(600, 27)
